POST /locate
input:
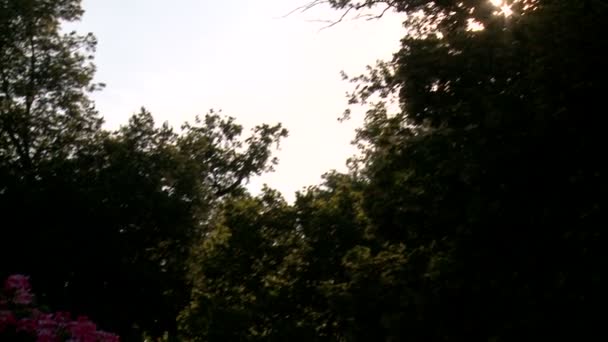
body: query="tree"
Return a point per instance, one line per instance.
(475, 210)
(492, 161)
(45, 78)
(103, 221)
(118, 222)
(236, 271)
(265, 270)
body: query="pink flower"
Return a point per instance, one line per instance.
(7, 319)
(27, 325)
(47, 321)
(23, 297)
(19, 286)
(46, 335)
(16, 282)
(83, 329)
(44, 327)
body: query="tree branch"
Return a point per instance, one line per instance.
(306, 7)
(348, 7)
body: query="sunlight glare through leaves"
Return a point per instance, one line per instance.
(504, 8)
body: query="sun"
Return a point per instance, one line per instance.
(503, 7)
(506, 10)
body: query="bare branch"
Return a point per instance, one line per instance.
(369, 16)
(339, 20)
(306, 7)
(324, 21)
(348, 8)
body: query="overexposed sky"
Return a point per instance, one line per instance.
(180, 58)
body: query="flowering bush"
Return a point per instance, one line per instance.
(21, 320)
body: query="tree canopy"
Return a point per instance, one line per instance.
(474, 210)
(102, 221)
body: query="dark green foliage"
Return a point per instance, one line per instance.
(45, 79)
(112, 228)
(474, 213)
(263, 267)
(103, 221)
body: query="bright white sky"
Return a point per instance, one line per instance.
(183, 57)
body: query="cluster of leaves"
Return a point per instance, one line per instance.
(21, 320)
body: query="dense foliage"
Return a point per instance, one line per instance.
(473, 212)
(101, 220)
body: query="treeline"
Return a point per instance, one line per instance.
(473, 212)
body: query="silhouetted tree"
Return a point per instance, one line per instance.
(103, 221)
(474, 211)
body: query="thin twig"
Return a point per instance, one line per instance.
(305, 8)
(339, 20)
(348, 8)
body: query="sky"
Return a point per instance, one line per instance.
(181, 58)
